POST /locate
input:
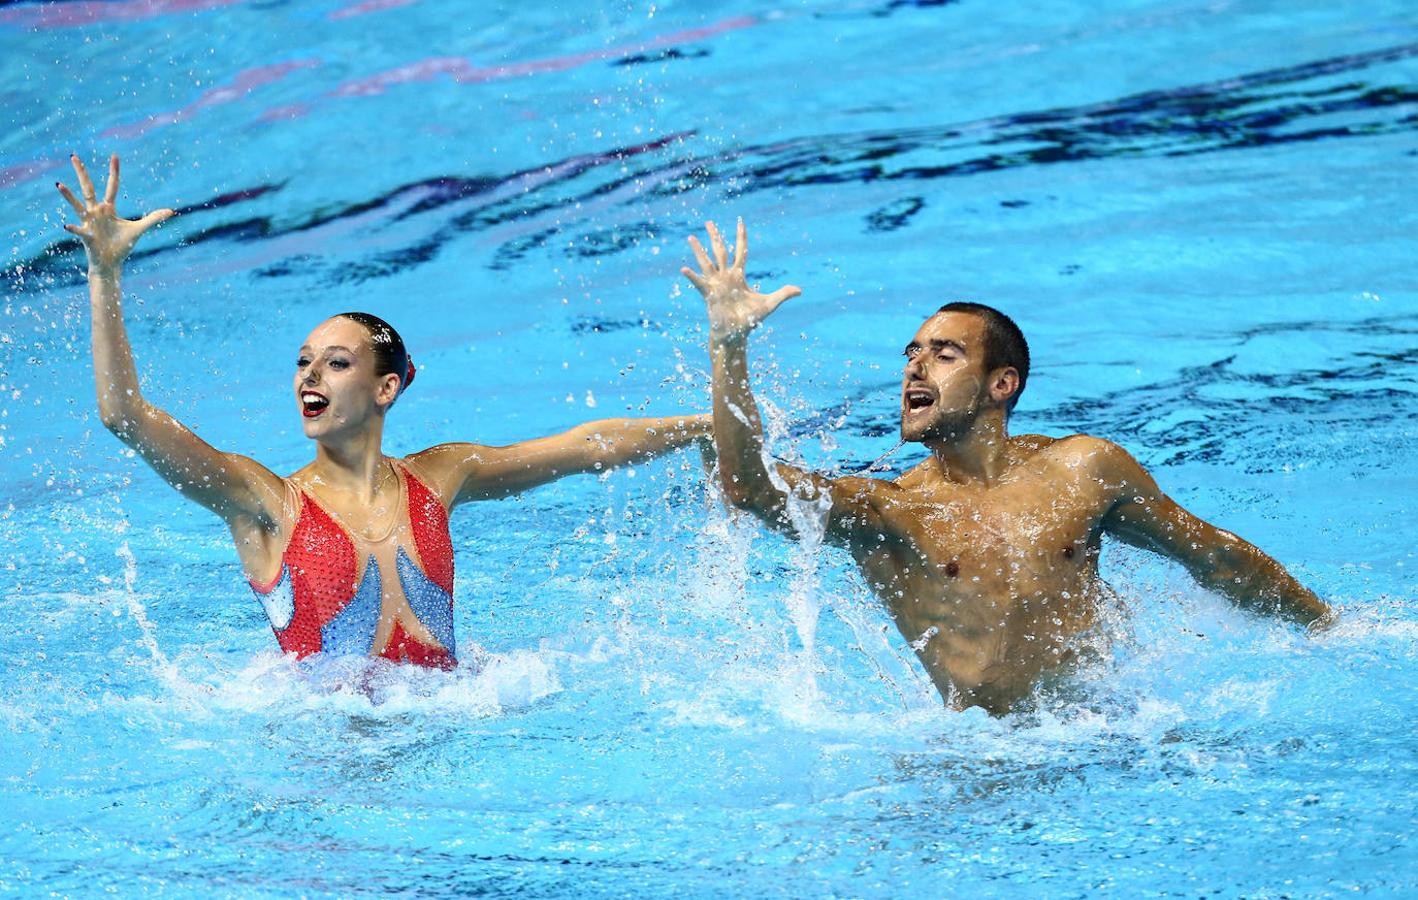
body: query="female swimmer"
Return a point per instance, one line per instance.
(351, 554)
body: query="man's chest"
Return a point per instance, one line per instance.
(1008, 542)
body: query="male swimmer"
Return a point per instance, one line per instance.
(351, 554)
(985, 554)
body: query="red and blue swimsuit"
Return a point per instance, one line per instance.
(316, 605)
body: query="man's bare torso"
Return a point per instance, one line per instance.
(994, 584)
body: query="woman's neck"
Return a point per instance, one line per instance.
(354, 467)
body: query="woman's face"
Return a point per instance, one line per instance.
(336, 388)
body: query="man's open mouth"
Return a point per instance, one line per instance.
(312, 404)
(918, 400)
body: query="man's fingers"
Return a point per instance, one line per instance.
(110, 193)
(69, 195)
(740, 246)
(721, 255)
(776, 298)
(154, 217)
(705, 265)
(86, 185)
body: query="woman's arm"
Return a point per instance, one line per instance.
(232, 486)
(464, 472)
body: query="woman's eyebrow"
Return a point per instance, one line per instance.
(306, 348)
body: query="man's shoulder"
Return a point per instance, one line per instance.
(916, 475)
(1078, 451)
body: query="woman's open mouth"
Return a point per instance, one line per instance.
(312, 404)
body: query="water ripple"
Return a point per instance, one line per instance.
(1348, 97)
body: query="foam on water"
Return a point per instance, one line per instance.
(272, 683)
(1197, 214)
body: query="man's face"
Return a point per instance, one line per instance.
(335, 385)
(944, 384)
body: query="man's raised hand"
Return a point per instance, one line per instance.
(107, 239)
(735, 309)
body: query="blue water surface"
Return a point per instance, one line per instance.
(1201, 213)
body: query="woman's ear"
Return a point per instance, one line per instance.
(388, 390)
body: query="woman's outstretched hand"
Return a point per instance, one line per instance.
(107, 239)
(735, 309)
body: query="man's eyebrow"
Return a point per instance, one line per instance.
(938, 344)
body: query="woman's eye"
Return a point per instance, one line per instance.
(339, 364)
(302, 363)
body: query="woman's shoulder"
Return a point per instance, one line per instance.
(446, 459)
(441, 468)
(300, 476)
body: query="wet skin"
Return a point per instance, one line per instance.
(990, 579)
(986, 554)
(343, 401)
(991, 584)
(337, 391)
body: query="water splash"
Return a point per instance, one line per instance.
(166, 672)
(876, 464)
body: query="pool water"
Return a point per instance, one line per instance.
(1201, 214)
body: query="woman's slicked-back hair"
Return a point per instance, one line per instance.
(390, 355)
(1004, 342)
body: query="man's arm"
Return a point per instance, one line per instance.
(463, 472)
(750, 479)
(1144, 516)
(234, 487)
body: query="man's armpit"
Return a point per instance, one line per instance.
(860, 508)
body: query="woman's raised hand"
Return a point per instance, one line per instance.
(107, 239)
(735, 309)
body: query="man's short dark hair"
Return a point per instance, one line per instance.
(1004, 342)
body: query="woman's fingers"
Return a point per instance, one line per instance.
(705, 265)
(74, 229)
(694, 279)
(69, 195)
(721, 255)
(86, 185)
(740, 246)
(110, 193)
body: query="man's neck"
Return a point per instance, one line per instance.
(980, 455)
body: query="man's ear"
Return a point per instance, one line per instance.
(1004, 384)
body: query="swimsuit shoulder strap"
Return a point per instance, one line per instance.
(307, 512)
(418, 486)
(294, 502)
